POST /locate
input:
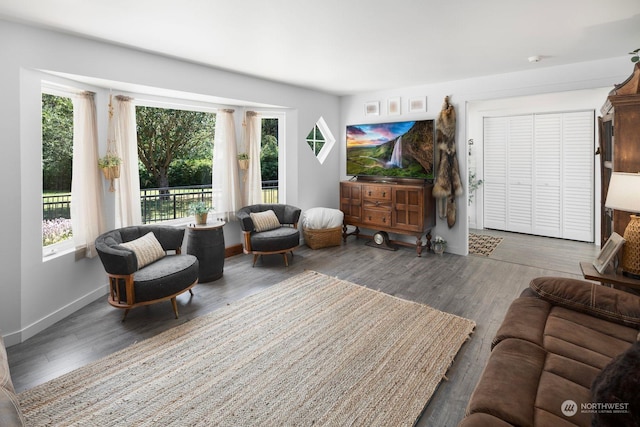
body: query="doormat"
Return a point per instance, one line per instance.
(483, 245)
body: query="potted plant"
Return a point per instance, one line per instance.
(243, 161)
(438, 245)
(199, 210)
(474, 184)
(110, 165)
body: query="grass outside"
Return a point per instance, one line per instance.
(156, 207)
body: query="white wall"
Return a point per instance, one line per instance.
(36, 294)
(552, 80)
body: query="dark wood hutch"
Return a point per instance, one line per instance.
(619, 148)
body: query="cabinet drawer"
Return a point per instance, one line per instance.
(381, 192)
(377, 217)
(376, 204)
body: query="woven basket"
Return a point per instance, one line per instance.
(322, 238)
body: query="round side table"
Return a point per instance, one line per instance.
(206, 242)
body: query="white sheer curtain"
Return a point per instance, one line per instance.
(225, 182)
(128, 185)
(253, 136)
(87, 219)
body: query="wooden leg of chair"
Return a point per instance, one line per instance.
(175, 306)
(124, 316)
(191, 292)
(286, 261)
(255, 258)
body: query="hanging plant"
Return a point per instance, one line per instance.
(243, 161)
(636, 55)
(110, 163)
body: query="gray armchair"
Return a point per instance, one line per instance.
(279, 240)
(160, 280)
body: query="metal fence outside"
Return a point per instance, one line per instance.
(157, 204)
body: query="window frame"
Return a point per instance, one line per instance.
(329, 140)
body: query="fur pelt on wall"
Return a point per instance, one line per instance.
(448, 184)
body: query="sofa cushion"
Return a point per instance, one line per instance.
(587, 339)
(264, 221)
(509, 393)
(275, 240)
(167, 276)
(147, 249)
(593, 299)
(524, 385)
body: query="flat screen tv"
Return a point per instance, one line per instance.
(391, 150)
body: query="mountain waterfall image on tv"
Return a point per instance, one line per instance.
(399, 149)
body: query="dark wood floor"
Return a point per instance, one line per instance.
(475, 287)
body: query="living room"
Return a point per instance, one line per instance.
(38, 294)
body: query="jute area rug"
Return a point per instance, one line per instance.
(481, 244)
(312, 350)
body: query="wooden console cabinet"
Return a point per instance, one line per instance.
(394, 207)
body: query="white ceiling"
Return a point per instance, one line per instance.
(352, 46)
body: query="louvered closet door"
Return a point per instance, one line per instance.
(495, 173)
(520, 174)
(539, 174)
(547, 169)
(577, 176)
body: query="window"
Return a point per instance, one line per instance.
(57, 162)
(269, 159)
(175, 152)
(315, 139)
(320, 140)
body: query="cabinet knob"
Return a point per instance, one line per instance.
(369, 218)
(384, 219)
(384, 194)
(369, 192)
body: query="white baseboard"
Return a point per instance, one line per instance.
(50, 319)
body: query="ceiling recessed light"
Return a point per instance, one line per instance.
(535, 58)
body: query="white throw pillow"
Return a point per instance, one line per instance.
(147, 249)
(264, 221)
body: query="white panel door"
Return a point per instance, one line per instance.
(495, 173)
(577, 176)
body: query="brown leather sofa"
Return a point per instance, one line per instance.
(10, 414)
(555, 340)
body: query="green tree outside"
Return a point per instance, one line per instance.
(57, 143)
(168, 135)
(269, 150)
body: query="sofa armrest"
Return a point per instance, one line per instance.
(599, 301)
(117, 259)
(10, 414)
(246, 223)
(525, 319)
(291, 215)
